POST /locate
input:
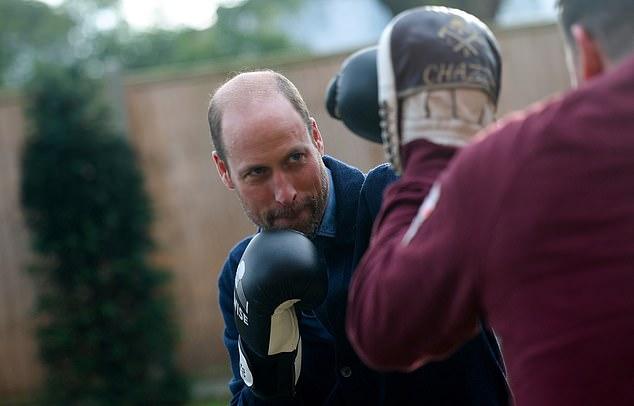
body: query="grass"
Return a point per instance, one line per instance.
(207, 389)
(211, 402)
(31, 402)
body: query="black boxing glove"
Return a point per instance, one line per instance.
(352, 95)
(278, 271)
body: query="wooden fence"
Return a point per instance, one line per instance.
(197, 219)
(19, 368)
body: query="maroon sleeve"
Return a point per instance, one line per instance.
(413, 297)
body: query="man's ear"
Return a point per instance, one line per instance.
(316, 136)
(591, 59)
(223, 170)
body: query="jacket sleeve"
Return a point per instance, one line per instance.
(412, 298)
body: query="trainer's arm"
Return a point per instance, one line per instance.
(411, 302)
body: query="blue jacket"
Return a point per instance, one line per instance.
(331, 372)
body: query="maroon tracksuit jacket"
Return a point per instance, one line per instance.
(532, 231)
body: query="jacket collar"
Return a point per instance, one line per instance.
(347, 181)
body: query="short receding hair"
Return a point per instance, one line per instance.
(285, 88)
(609, 22)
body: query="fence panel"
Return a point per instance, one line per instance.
(20, 368)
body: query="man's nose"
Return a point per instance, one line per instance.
(285, 192)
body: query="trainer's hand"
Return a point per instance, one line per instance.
(278, 270)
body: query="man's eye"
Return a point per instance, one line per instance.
(255, 172)
(297, 157)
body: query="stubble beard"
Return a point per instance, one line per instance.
(315, 204)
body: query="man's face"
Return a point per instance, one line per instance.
(274, 164)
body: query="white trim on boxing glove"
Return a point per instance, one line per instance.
(284, 328)
(245, 371)
(298, 360)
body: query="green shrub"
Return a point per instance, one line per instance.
(105, 335)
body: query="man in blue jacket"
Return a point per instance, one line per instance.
(271, 153)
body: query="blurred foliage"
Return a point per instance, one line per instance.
(249, 29)
(31, 31)
(105, 335)
(483, 9)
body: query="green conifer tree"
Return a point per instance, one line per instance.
(105, 335)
